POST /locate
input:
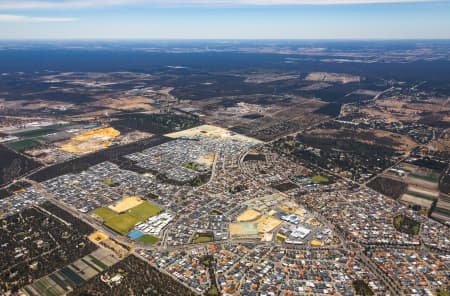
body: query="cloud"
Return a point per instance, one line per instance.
(12, 18)
(62, 4)
(79, 4)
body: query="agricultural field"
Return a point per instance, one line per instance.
(75, 274)
(52, 244)
(430, 177)
(137, 277)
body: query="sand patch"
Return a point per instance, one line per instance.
(125, 204)
(91, 141)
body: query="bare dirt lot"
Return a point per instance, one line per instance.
(379, 137)
(407, 109)
(262, 117)
(332, 77)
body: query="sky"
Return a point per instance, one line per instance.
(224, 19)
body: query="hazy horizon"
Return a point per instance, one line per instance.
(225, 19)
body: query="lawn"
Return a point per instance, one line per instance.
(148, 239)
(319, 179)
(144, 211)
(23, 145)
(202, 239)
(122, 223)
(36, 133)
(105, 214)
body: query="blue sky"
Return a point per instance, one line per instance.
(224, 19)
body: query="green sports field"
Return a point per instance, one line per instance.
(202, 239)
(104, 213)
(23, 144)
(123, 223)
(319, 179)
(148, 239)
(144, 211)
(36, 133)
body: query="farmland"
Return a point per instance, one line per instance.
(138, 277)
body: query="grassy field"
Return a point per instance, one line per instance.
(36, 133)
(148, 239)
(123, 223)
(104, 213)
(144, 211)
(202, 239)
(23, 144)
(320, 179)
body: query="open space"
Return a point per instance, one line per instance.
(124, 221)
(91, 141)
(148, 239)
(125, 204)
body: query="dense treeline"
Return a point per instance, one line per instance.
(35, 244)
(80, 226)
(444, 182)
(330, 109)
(155, 123)
(388, 187)
(13, 165)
